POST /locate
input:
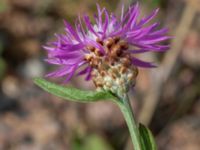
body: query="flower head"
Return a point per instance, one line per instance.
(106, 48)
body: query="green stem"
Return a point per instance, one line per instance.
(126, 109)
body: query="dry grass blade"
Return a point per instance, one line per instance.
(169, 62)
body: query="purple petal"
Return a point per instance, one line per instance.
(122, 13)
(156, 40)
(160, 32)
(58, 61)
(99, 15)
(88, 77)
(139, 51)
(60, 72)
(71, 74)
(134, 14)
(84, 71)
(65, 55)
(71, 30)
(105, 25)
(141, 63)
(55, 61)
(142, 32)
(147, 19)
(89, 25)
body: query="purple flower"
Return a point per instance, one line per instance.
(110, 41)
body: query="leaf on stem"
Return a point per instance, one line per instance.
(147, 139)
(73, 94)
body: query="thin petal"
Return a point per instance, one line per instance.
(88, 77)
(150, 17)
(71, 30)
(84, 71)
(89, 25)
(140, 63)
(60, 72)
(71, 74)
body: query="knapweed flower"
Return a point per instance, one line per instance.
(105, 50)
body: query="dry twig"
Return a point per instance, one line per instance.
(169, 61)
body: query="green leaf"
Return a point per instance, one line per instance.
(147, 139)
(3, 6)
(73, 94)
(2, 67)
(96, 142)
(156, 2)
(90, 142)
(153, 3)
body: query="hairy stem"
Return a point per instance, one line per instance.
(126, 109)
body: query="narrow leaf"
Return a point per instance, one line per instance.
(73, 94)
(147, 139)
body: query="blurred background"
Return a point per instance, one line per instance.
(167, 98)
